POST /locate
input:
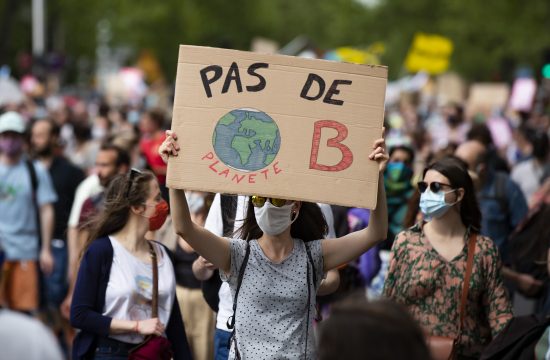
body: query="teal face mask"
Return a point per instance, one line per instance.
(433, 205)
(397, 178)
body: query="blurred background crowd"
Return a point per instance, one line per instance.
(86, 91)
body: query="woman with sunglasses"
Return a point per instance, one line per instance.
(428, 263)
(285, 258)
(112, 301)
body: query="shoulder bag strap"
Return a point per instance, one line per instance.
(154, 265)
(155, 299)
(467, 276)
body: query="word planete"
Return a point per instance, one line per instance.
(232, 175)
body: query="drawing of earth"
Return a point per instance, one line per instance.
(246, 139)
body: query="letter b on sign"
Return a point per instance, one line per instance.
(335, 142)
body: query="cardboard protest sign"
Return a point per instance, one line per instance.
(277, 126)
(430, 53)
(450, 89)
(523, 94)
(486, 97)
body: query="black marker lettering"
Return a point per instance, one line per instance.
(251, 71)
(206, 81)
(310, 79)
(232, 75)
(334, 91)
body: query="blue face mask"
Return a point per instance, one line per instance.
(433, 205)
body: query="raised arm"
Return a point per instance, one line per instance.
(347, 248)
(210, 246)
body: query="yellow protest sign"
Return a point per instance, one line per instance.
(430, 53)
(370, 55)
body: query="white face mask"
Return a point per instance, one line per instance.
(274, 220)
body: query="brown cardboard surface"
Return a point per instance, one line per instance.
(450, 89)
(289, 175)
(486, 97)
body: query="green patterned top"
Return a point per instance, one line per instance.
(431, 288)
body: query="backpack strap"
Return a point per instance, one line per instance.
(32, 173)
(231, 320)
(309, 285)
(318, 316)
(34, 184)
(310, 260)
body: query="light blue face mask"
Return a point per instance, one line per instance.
(433, 205)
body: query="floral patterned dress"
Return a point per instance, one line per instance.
(431, 288)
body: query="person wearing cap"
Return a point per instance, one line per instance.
(27, 218)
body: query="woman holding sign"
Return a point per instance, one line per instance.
(275, 267)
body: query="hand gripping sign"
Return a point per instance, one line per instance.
(277, 126)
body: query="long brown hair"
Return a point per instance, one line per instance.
(124, 192)
(310, 224)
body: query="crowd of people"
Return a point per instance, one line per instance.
(101, 260)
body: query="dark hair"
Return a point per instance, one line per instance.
(55, 130)
(405, 148)
(458, 108)
(157, 117)
(103, 109)
(122, 157)
(310, 224)
(456, 171)
(382, 328)
(123, 192)
(481, 133)
(527, 132)
(126, 141)
(82, 131)
(413, 207)
(540, 145)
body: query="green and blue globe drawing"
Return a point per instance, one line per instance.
(246, 139)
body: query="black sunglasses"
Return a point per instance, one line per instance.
(435, 186)
(131, 176)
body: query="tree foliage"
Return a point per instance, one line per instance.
(491, 37)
